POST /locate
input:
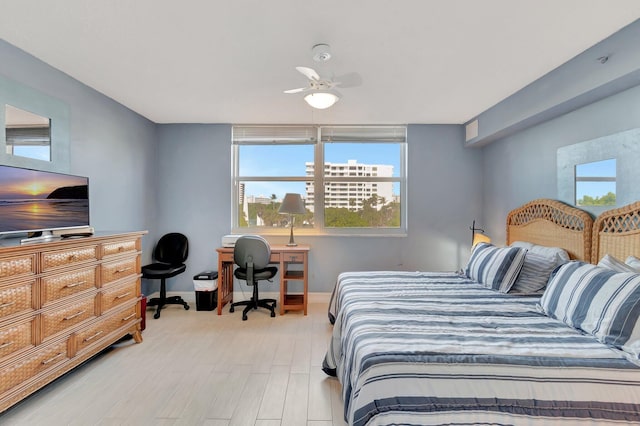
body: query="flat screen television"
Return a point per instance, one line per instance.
(34, 201)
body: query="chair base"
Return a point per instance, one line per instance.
(269, 304)
(160, 302)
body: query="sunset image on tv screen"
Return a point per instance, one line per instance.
(37, 200)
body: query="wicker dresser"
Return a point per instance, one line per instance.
(62, 302)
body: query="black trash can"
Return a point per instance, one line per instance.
(205, 284)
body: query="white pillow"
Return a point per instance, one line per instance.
(610, 262)
(634, 262)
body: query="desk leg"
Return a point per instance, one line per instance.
(225, 284)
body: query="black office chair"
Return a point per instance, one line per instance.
(252, 254)
(170, 253)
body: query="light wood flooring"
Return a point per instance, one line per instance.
(198, 368)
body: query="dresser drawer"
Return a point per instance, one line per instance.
(16, 298)
(28, 366)
(15, 337)
(116, 295)
(107, 324)
(112, 271)
(56, 287)
(57, 320)
(119, 247)
(60, 258)
(17, 266)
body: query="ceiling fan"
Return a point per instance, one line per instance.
(321, 91)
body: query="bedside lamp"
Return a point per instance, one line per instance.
(477, 235)
(292, 204)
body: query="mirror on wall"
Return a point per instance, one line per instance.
(596, 183)
(27, 134)
(602, 173)
(36, 128)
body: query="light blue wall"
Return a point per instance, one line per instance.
(445, 190)
(194, 191)
(523, 166)
(112, 145)
(580, 101)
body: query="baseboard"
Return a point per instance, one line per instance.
(187, 296)
(319, 297)
(190, 296)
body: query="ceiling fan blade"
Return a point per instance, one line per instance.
(298, 90)
(351, 79)
(311, 74)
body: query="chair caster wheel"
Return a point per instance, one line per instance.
(231, 309)
(156, 315)
(244, 318)
(186, 307)
(273, 314)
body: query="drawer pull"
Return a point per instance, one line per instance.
(53, 358)
(127, 318)
(119, 271)
(121, 249)
(6, 305)
(90, 338)
(6, 345)
(120, 296)
(70, 317)
(74, 284)
(73, 257)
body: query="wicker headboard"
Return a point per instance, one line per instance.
(554, 224)
(617, 232)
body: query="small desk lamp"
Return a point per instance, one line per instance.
(292, 204)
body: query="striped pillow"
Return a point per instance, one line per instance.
(534, 275)
(559, 254)
(597, 301)
(494, 267)
(610, 262)
(634, 262)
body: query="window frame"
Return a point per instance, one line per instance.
(320, 136)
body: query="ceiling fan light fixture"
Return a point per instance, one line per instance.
(321, 100)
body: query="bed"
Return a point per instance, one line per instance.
(443, 348)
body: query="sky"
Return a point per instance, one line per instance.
(289, 160)
(17, 183)
(605, 168)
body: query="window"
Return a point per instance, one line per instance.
(596, 183)
(361, 171)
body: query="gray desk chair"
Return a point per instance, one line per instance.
(252, 254)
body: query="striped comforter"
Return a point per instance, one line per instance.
(435, 348)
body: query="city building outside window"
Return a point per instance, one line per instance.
(361, 170)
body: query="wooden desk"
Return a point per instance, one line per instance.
(282, 255)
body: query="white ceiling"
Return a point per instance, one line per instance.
(212, 61)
